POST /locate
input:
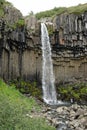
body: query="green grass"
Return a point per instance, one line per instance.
(51, 13)
(1, 12)
(81, 8)
(56, 11)
(14, 108)
(2, 1)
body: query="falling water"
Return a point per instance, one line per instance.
(49, 92)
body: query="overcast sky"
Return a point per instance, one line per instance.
(26, 6)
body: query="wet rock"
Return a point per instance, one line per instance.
(62, 127)
(55, 122)
(60, 109)
(68, 118)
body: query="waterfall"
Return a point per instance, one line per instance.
(49, 92)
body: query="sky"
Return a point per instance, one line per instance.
(26, 6)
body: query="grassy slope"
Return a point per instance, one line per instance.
(14, 108)
(56, 11)
(81, 8)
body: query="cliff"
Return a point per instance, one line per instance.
(68, 31)
(20, 46)
(69, 47)
(17, 46)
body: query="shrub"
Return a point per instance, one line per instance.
(20, 23)
(78, 92)
(28, 87)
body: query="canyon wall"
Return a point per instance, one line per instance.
(70, 47)
(21, 54)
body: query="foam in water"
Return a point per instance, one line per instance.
(49, 92)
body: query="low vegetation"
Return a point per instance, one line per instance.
(50, 13)
(20, 23)
(81, 8)
(1, 12)
(3, 4)
(2, 7)
(77, 92)
(30, 88)
(56, 11)
(17, 24)
(15, 111)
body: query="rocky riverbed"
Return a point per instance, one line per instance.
(73, 117)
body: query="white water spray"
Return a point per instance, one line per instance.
(49, 92)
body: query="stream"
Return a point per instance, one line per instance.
(71, 117)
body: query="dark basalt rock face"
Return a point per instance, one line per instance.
(72, 29)
(21, 55)
(18, 53)
(70, 47)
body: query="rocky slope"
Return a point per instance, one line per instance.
(68, 117)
